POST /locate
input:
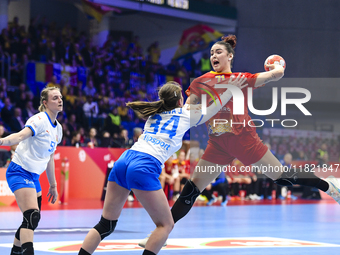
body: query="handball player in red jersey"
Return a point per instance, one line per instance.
(240, 140)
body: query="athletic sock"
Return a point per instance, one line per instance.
(27, 248)
(16, 250)
(147, 252)
(304, 178)
(313, 181)
(83, 252)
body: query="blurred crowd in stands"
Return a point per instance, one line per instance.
(117, 72)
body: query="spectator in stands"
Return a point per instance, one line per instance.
(4, 40)
(169, 174)
(189, 64)
(106, 140)
(66, 141)
(90, 90)
(137, 132)
(72, 123)
(322, 155)
(154, 53)
(52, 53)
(53, 82)
(76, 139)
(112, 122)
(77, 56)
(7, 111)
(98, 75)
(122, 110)
(183, 169)
(66, 52)
(173, 67)
(204, 63)
(87, 54)
(90, 109)
(3, 86)
(91, 141)
(17, 123)
(122, 140)
(302, 156)
(16, 70)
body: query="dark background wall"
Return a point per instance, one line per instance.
(305, 32)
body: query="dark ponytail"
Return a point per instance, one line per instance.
(169, 94)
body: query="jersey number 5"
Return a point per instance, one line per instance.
(52, 146)
(155, 126)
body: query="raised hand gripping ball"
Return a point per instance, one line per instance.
(274, 59)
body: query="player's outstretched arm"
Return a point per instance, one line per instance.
(16, 137)
(275, 74)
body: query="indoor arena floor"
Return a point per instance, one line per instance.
(300, 227)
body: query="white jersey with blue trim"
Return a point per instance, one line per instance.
(163, 134)
(33, 153)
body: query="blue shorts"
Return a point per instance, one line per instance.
(18, 178)
(137, 170)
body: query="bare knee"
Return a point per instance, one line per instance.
(166, 225)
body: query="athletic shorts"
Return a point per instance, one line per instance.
(18, 178)
(247, 147)
(137, 170)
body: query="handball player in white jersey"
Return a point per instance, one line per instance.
(138, 168)
(34, 154)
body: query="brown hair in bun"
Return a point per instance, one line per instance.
(229, 43)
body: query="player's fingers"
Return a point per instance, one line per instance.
(244, 85)
(242, 79)
(239, 77)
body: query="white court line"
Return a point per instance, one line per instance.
(180, 244)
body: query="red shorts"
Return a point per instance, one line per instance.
(246, 147)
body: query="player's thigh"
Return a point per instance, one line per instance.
(114, 200)
(26, 199)
(156, 204)
(205, 172)
(271, 164)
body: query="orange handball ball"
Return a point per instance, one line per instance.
(276, 60)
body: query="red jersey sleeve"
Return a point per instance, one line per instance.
(251, 79)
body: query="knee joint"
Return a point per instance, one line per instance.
(31, 219)
(189, 193)
(105, 227)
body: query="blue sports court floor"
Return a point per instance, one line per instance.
(241, 229)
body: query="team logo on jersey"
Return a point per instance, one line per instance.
(208, 92)
(28, 181)
(155, 141)
(47, 131)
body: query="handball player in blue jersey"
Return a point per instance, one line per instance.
(138, 168)
(37, 142)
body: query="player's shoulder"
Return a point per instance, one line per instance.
(38, 117)
(246, 74)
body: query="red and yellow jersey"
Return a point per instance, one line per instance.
(184, 166)
(169, 166)
(226, 113)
